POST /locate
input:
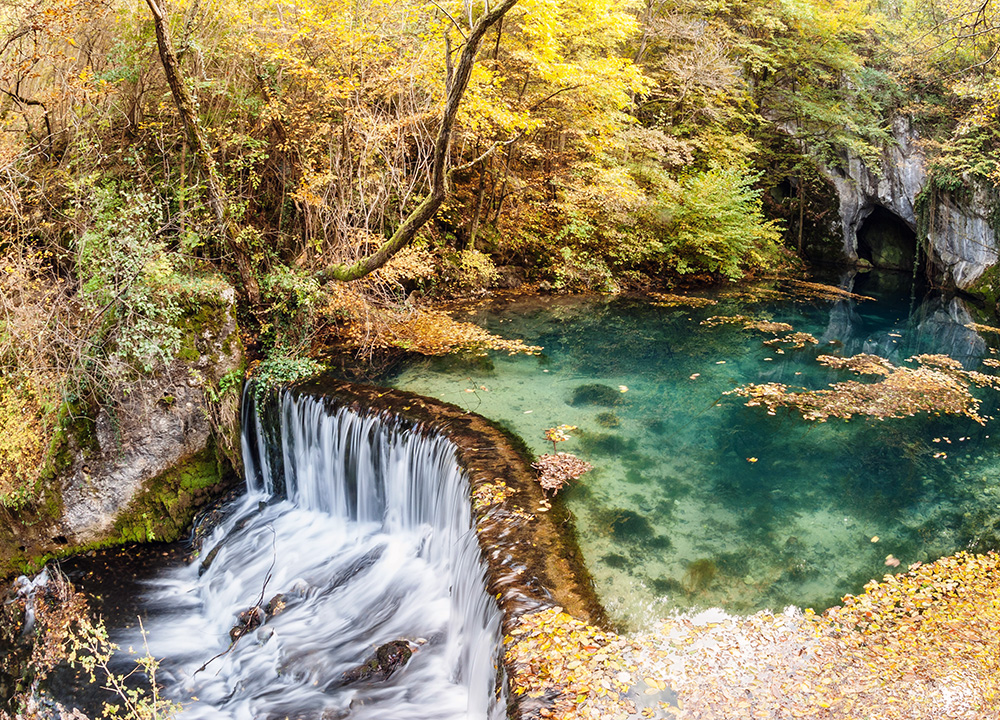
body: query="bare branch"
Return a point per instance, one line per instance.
(453, 21)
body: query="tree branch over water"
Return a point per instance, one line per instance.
(408, 229)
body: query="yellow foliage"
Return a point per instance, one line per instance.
(671, 300)
(367, 326)
(26, 427)
(434, 332)
(917, 646)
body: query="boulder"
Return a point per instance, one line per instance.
(386, 660)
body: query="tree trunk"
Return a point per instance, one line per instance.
(802, 209)
(480, 197)
(217, 199)
(459, 80)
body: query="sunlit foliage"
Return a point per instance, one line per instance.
(916, 645)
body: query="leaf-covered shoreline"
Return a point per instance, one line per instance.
(917, 646)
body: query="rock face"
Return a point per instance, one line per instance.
(941, 322)
(141, 473)
(162, 445)
(879, 215)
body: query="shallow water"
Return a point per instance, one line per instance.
(696, 500)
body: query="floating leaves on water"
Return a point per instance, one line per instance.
(797, 340)
(819, 291)
(918, 645)
(982, 328)
(717, 320)
(795, 290)
(671, 300)
(891, 560)
(580, 669)
(940, 386)
(558, 434)
(556, 470)
(862, 364)
(435, 332)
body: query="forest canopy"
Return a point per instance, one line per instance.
(591, 145)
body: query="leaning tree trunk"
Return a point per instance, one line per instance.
(217, 198)
(439, 177)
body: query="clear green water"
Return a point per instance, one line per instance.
(674, 514)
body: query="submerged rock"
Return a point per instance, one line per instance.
(596, 394)
(387, 659)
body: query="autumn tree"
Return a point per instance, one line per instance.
(234, 240)
(457, 81)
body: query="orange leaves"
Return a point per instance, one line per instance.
(671, 300)
(428, 332)
(555, 470)
(917, 646)
(939, 386)
(434, 332)
(487, 494)
(552, 652)
(797, 339)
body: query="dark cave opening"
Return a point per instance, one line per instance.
(887, 242)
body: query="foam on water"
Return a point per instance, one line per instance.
(364, 525)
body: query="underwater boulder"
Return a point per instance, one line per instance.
(596, 394)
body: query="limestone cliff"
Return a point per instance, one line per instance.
(962, 244)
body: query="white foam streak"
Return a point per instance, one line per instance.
(373, 543)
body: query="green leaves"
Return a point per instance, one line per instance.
(716, 224)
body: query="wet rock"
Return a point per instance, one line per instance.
(276, 606)
(248, 620)
(264, 634)
(209, 559)
(387, 659)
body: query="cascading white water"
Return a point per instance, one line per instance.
(370, 541)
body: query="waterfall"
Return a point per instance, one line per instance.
(362, 525)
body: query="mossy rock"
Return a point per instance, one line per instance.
(987, 289)
(168, 504)
(625, 525)
(607, 444)
(596, 394)
(608, 419)
(700, 574)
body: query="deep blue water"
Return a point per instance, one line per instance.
(697, 500)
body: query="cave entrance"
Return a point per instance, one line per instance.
(887, 242)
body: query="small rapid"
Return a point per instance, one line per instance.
(359, 528)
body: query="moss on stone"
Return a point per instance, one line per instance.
(168, 504)
(987, 288)
(205, 315)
